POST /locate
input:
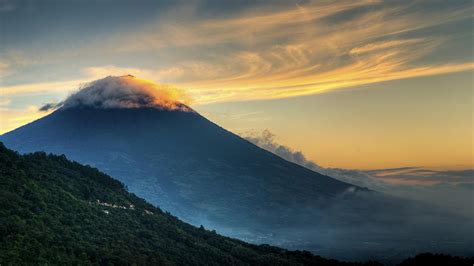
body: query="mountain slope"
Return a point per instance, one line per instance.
(178, 160)
(181, 162)
(58, 211)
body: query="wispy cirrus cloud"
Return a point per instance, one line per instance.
(305, 49)
(283, 52)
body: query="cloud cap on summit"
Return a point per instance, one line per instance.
(127, 92)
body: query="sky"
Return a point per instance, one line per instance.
(352, 84)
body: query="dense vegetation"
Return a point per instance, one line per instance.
(54, 211)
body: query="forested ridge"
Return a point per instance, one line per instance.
(55, 211)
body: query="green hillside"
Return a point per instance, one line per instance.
(57, 211)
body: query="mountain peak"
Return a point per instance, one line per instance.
(127, 92)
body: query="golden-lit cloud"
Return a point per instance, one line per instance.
(127, 92)
(382, 45)
(299, 51)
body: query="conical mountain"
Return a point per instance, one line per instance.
(174, 157)
(167, 153)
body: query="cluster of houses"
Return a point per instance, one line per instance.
(130, 207)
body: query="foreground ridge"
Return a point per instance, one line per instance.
(58, 211)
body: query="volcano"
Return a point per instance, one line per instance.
(174, 157)
(167, 153)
